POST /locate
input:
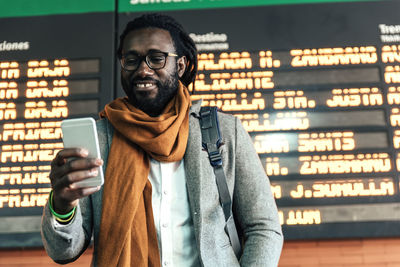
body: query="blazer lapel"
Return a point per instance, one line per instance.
(193, 168)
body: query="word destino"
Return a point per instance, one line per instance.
(12, 46)
(136, 2)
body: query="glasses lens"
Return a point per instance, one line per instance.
(156, 60)
(130, 62)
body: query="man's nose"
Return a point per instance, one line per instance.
(143, 69)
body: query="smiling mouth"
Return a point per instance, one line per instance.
(145, 86)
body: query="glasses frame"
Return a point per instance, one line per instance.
(145, 59)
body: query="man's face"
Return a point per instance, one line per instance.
(147, 89)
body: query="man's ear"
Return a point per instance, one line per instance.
(182, 64)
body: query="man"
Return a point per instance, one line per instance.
(159, 204)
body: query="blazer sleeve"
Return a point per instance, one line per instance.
(254, 206)
(65, 243)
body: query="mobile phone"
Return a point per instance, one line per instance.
(82, 133)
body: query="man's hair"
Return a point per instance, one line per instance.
(183, 44)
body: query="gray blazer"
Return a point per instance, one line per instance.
(253, 204)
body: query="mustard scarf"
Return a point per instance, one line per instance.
(127, 232)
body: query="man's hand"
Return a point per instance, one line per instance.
(66, 172)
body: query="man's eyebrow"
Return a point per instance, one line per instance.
(154, 50)
(131, 52)
(134, 52)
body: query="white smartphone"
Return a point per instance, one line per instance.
(82, 133)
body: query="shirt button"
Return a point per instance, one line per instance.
(165, 192)
(165, 225)
(166, 263)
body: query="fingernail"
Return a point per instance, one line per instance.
(94, 171)
(84, 152)
(99, 161)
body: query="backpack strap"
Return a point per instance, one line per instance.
(211, 141)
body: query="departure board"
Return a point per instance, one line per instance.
(317, 86)
(318, 89)
(51, 68)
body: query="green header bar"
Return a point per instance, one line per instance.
(25, 8)
(164, 5)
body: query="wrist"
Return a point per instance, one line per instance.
(62, 215)
(60, 206)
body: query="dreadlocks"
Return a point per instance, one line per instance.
(184, 45)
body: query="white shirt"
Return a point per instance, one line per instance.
(172, 217)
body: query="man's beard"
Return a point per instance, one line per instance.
(154, 107)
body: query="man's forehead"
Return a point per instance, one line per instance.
(147, 39)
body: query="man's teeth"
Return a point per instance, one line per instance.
(144, 85)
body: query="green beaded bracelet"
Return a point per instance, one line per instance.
(57, 215)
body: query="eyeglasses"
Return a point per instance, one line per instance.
(155, 60)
